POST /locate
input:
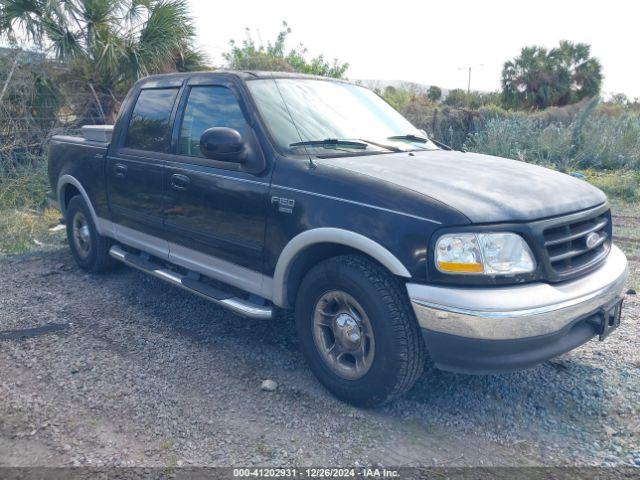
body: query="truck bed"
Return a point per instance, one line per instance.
(84, 160)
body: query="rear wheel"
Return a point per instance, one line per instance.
(89, 249)
(357, 331)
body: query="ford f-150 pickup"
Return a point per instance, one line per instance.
(266, 192)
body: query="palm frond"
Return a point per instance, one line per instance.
(64, 42)
(190, 61)
(135, 10)
(96, 13)
(168, 31)
(109, 54)
(108, 44)
(22, 17)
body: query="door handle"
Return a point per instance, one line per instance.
(180, 182)
(120, 169)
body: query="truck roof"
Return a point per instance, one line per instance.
(170, 78)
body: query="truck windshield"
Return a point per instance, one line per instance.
(332, 118)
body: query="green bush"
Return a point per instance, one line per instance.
(588, 141)
(397, 98)
(610, 143)
(584, 135)
(434, 93)
(25, 221)
(623, 185)
(24, 186)
(514, 137)
(450, 126)
(461, 99)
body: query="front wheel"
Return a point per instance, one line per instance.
(357, 331)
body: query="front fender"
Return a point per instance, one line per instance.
(329, 235)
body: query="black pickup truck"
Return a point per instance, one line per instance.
(267, 191)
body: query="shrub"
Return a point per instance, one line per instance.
(25, 221)
(610, 143)
(461, 99)
(25, 186)
(623, 185)
(434, 93)
(586, 140)
(396, 97)
(250, 54)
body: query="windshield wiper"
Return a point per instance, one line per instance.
(416, 138)
(410, 137)
(331, 142)
(385, 146)
(360, 144)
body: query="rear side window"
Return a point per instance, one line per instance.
(149, 124)
(208, 107)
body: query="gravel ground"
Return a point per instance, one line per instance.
(121, 369)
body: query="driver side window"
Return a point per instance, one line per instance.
(208, 107)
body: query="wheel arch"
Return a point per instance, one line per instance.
(69, 185)
(309, 247)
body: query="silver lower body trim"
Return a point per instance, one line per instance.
(244, 278)
(236, 305)
(221, 270)
(522, 311)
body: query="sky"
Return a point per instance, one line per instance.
(430, 42)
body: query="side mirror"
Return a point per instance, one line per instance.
(223, 144)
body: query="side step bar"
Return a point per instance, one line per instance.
(226, 300)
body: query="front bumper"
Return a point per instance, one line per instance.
(484, 330)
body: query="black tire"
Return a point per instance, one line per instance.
(95, 257)
(399, 355)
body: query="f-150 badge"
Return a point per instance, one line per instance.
(285, 205)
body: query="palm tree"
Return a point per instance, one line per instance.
(584, 73)
(108, 43)
(539, 78)
(530, 80)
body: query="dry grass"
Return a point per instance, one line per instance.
(618, 185)
(25, 219)
(25, 230)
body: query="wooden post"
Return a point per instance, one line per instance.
(434, 122)
(95, 95)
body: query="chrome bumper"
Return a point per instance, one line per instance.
(521, 311)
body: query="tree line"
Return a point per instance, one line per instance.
(111, 43)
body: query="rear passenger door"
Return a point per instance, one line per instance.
(135, 170)
(213, 207)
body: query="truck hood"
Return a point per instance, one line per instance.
(484, 188)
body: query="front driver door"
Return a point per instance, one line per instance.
(135, 172)
(215, 213)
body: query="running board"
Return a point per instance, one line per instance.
(224, 299)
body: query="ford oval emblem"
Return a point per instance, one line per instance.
(592, 239)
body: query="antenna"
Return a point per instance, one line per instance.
(311, 162)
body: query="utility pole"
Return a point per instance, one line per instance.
(469, 77)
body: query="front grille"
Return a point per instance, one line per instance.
(578, 243)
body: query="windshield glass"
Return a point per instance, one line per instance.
(327, 117)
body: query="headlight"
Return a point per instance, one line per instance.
(483, 254)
